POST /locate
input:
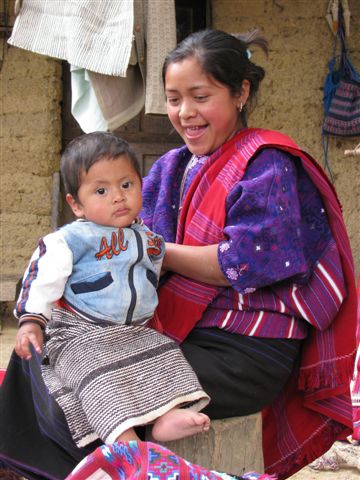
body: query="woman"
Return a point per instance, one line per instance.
(260, 288)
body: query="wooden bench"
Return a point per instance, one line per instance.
(232, 445)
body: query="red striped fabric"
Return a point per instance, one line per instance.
(355, 387)
(2, 375)
(314, 409)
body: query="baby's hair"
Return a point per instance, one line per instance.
(226, 58)
(84, 151)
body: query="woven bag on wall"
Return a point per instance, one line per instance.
(343, 116)
(341, 92)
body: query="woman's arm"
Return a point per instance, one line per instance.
(197, 263)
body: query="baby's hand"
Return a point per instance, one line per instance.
(28, 333)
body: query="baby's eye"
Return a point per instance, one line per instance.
(101, 191)
(126, 185)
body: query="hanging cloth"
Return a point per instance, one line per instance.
(107, 40)
(96, 35)
(84, 105)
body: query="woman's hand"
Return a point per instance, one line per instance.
(197, 263)
(28, 333)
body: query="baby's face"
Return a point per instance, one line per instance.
(109, 193)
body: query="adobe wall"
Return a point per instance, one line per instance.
(30, 139)
(291, 101)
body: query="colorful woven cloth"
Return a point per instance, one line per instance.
(2, 374)
(315, 408)
(146, 461)
(355, 384)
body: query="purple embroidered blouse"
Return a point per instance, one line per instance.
(277, 245)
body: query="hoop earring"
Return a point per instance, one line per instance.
(241, 107)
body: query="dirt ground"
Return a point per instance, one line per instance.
(341, 462)
(341, 474)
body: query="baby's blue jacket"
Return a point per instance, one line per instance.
(113, 276)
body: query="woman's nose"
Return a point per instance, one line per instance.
(187, 109)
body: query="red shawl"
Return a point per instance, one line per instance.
(356, 379)
(314, 408)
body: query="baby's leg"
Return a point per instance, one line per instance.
(179, 423)
(127, 436)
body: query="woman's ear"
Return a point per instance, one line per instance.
(75, 206)
(245, 91)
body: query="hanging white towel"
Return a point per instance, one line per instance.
(84, 104)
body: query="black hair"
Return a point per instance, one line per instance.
(84, 151)
(226, 58)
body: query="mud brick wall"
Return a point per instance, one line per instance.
(30, 139)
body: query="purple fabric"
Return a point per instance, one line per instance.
(168, 170)
(276, 230)
(272, 311)
(276, 225)
(264, 209)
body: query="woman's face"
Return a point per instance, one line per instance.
(202, 110)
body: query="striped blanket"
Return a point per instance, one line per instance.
(93, 35)
(109, 378)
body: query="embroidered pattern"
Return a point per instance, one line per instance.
(145, 460)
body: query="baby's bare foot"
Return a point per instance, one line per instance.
(180, 423)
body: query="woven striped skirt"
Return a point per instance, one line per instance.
(109, 378)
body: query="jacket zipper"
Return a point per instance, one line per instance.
(130, 312)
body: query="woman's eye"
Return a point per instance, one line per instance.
(101, 191)
(201, 98)
(173, 101)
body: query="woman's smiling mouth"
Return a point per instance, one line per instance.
(194, 132)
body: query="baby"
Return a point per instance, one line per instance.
(92, 285)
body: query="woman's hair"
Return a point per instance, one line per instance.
(226, 58)
(84, 151)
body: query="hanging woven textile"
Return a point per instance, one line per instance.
(341, 98)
